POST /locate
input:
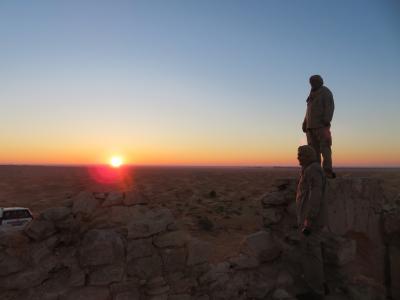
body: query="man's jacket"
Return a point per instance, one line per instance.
(310, 196)
(320, 107)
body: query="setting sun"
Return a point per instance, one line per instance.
(116, 161)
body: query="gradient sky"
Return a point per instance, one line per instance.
(195, 82)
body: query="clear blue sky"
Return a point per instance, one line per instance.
(195, 82)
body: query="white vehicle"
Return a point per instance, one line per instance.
(14, 218)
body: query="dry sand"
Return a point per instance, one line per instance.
(216, 204)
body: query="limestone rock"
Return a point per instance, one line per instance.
(261, 245)
(198, 252)
(171, 239)
(23, 280)
(273, 199)
(339, 250)
(140, 248)
(272, 215)
(282, 294)
(243, 261)
(174, 259)
(113, 198)
(88, 293)
(100, 247)
(40, 229)
(153, 222)
(55, 214)
(85, 203)
(145, 267)
(180, 297)
(105, 275)
(10, 264)
(134, 197)
(128, 296)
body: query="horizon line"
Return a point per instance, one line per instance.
(190, 165)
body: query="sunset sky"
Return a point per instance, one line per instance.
(195, 82)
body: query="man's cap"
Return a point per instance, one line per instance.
(316, 80)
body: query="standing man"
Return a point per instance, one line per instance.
(317, 122)
(311, 219)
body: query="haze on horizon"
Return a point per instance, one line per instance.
(195, 82)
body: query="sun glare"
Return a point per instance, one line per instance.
(116, 161)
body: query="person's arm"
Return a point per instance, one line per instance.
(316, 186)
(329, 107)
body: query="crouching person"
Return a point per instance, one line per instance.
(310, 218)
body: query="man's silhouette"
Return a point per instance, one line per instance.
(317, 122)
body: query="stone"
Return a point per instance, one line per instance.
(272, 215)
(198, 252)
(113, 198)
(87, 293)
(55, 214)
(10, 264)
(180, 283)
(104, 275)
(128, 296)
(174, 259)
(285, 279)
(39, 229)
(153, 222)
(171, 239)
(13, 239)
(273, 199)
(261, 245)
(242, 262)
(127, 286)
(140, 248)
(134, 197)
(282, 294)
(101, 247)
(339, 250)
(394, 257)
(145, 267)
(157, 286)
(24, 280)
(180, 297)
(123, 215)
(259, 288)
(85, 203)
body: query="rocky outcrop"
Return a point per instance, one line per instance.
(113, 246)
(361, 235)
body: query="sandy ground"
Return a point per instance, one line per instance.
(216, 204)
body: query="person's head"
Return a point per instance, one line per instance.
(306, 155)
(316, 82)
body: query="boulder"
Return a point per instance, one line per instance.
(101, 247)
(40, 229)
(140, 248)
(113, 198)
(198, 252)
(55, 214)
(171, 239)
(272, 215)
(151, 223)
(339, 250)
(134, 197)
(261, 245)
(145, 267)
(104, 275)
(174, 260)
(10, 264)
(85, 203)
(24, 280)
(88, 293)
(273, 199)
